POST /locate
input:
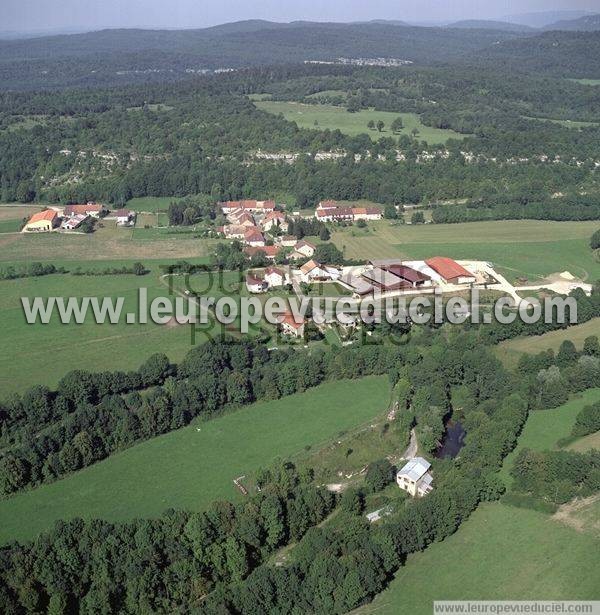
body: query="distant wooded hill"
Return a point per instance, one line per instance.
(115, 57)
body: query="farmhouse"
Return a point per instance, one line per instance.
(414, 477)
(42, 222)
(328, 205)
(335, 214)
(367, 213)
(304, 248)
(89, 209)
(270, 252)
(274, 219)
(314, 271)
(291, 326)
(125, 217)
(249, 205)
(275, 276)
(450, 271)
(331, 211)
(359, 286)
(73, 222)
(241, 217)
(234, 231)
(287, 241)
(254, 284)
(253, 237)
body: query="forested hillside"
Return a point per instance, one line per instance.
(525, 140)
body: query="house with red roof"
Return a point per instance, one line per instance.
(367, 213)
(335, 214)
(275, 219)
(254, 284)
(291, 325)
(89, 209)
(270, 252)
(253, 237)
(250, 205)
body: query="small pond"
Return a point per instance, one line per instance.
(452, 442)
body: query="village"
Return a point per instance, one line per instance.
(284, 264)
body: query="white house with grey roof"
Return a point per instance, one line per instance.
(414, 477)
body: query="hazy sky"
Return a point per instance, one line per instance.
(25, 15)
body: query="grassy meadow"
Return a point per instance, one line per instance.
(510, 351)
(329, 117)
(499, 553)
(519, 248)
(109, 242)
(42, 354)
(150, 204)
(191, 467)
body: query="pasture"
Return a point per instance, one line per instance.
(109, 242)
(329, 117)
(193, 466)
(510, 351)
(43, 353)
(499, 553)
(519, 248)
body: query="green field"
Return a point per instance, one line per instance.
(10, 226)
(545, 427)
(150, 204)
(107, 243)
(332, 118)
(42, 354)
(528, 248)
(499, 553)
(511, 350)
(190, 468)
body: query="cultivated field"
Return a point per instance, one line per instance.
(325, 117)
(499, 553)
(528, 248)
(192, 467)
